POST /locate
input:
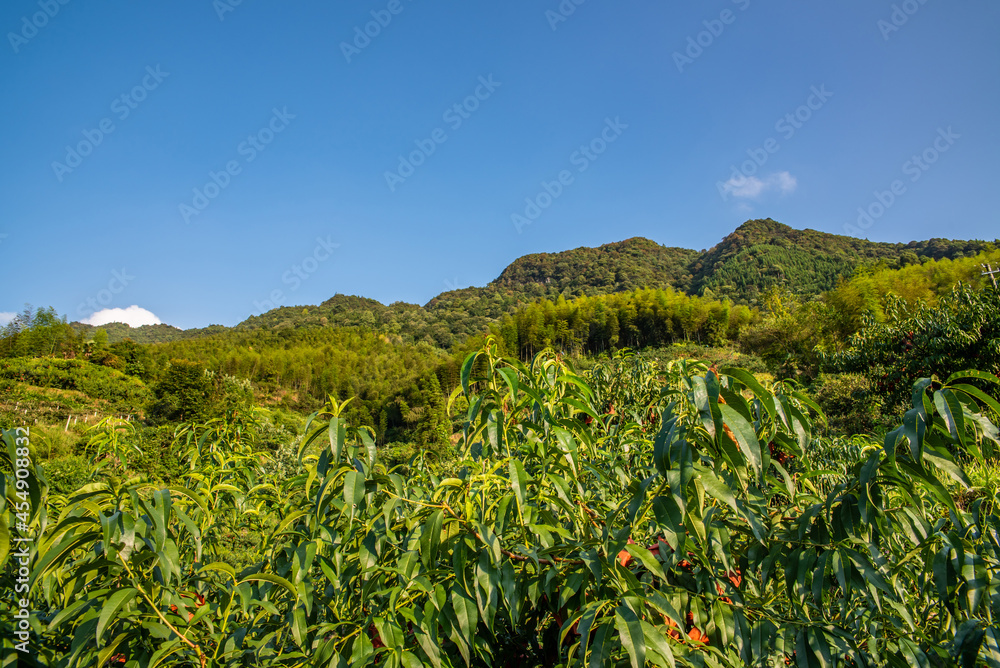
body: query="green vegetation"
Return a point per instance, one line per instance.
(919, 340)
(628, 320)
(618, 267)
(759, 256)
(632, 515)
(763, 253)
(796, 467)
(98, 382)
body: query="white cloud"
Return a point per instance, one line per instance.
(5, 318)
(750, 187)
(132, 316)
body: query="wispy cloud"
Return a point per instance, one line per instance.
(750, 187)
(133, 316)
(5, 318)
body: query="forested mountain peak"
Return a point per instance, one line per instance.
(763, 253)
(614, 267)
(340, 302)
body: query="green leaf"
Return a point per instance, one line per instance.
(717, 489)
(4, 538)
(990, 651)
(954, 423)
(470, 361)
(426, 633)
(702, 402)
(967, 642)
(820, 647)
(748, 379)
(914, 655)
(971, 373)
(657, 647)
(510, 377)
(601, 648)
(519, 481)
(64, 549)
(164, 651)
(630, 631)
(746, 437)
(220, 566)
(430, 538)
(466, 612)
(410, 660)
(273, 579)
(354, 488)
(110, 610)
(338, 436)
(980, 395)
(648, 560)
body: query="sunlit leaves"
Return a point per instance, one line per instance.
(634, 515)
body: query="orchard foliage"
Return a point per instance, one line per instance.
(918, 340)
(637, 514)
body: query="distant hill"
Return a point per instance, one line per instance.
(757, 255)
(617, 267)
(763, 253)
(119, 331)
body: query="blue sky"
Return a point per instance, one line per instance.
(615, 120)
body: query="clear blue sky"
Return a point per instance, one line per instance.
(449, 223)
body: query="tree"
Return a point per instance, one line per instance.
(184, 394)
(915, 341)
(434, 428)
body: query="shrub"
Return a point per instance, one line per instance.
(918, 341)
(122, 392)
(849, 403)
(65, 475)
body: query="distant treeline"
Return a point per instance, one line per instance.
(640, 319)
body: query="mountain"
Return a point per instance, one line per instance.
(119, 331)
(617, 267)
(756, 256)
(762, 253)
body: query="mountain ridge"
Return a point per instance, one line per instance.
(757, 255)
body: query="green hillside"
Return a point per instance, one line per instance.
(757, 256)
(617, 267)
(765, 253)
(118, 331)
